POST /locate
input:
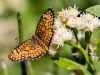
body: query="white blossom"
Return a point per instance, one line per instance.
(90, 22)
(93, 51)
(57, 23)
(61, 35)
(85, 21)
(65, 14)
(52, 49)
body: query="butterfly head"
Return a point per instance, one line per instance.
(31, 35)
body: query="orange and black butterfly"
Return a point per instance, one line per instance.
(39, 43)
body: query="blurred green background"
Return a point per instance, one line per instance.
(31, 11)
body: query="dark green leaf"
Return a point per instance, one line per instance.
(98, 46)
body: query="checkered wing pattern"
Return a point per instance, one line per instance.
(38, 45)
(31, 49)
(44, 28)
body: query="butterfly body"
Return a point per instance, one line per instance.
(39, 43)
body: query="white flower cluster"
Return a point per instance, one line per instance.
(68, 13)
(90, 22)
(86, 21)
(61, 35)
(71, 17)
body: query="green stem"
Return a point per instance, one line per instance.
(84, 52)
(78, 45)
(87, 39)
(20, 28)
(5, 71)
(23, 67)
(4, 67)
(75, 33)
(87, 47)
(29, 66)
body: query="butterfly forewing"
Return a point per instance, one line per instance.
(44, 28)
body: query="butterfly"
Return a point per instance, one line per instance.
(39, 43)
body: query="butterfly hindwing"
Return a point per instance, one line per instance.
(20, 52)
(30, 49)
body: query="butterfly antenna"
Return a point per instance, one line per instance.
(17, 38)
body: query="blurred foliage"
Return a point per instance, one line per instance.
(31, 11)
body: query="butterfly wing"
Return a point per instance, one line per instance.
(36, 47)
(30, 49)
(44, 28)
(20, 52)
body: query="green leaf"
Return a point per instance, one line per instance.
(96, 65)
(68, 64)
(86, 72)
(95, 10)
(98, 46)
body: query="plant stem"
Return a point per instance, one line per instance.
(75, 33)
(29, 67)
(20, 28)
(85, 53)
(4, 67)
(78, 45)
(5, 72)
(23, 67)
(87, 39)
